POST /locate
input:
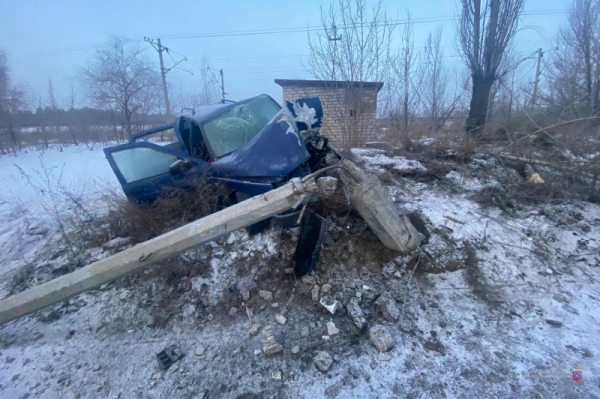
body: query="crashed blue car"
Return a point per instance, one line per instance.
(250, 146)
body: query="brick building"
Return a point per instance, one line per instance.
(349, 108)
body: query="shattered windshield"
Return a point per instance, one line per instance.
(234, 128)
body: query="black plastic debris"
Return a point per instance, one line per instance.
(554, 323)
(168, 356)
(308, 249)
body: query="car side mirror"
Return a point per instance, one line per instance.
(181, 166)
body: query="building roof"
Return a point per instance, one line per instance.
(328, 83)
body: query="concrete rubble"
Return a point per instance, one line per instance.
(356, 314)
(386, 306)
(323, 361)
(268, 342)
(381, 338)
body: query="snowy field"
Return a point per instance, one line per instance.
(493, 306)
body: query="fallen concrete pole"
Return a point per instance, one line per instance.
(162, 247)
(373, 202)
(367, 195)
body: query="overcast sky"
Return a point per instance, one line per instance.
(54, 39)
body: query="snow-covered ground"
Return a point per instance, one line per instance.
(32, 183)
(493, 305)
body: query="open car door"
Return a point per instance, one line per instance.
(145, 170)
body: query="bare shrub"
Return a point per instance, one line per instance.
(176, 207)
(351, 54)
(65, 206)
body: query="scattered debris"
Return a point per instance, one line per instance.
(266, 295)
(331, 307)
(281, 319)
(199, 351)
(388, 309)
(354, 372)
(254, 330)
(49, 317)
(276, 375)
(304, 332)
(157, 375)
(323, 361)
(233, 311)
(356, 313)
(369, 293)
(268, 342)
(381, 338)
(168, 356)
(332, 329)
(554, 323)
(325, 288)
(535, 179)
(308, 279)
(36, 230)
(560, 298)
(384, 357)
(295, 349)
(315, 293)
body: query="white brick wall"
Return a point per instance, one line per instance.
(339, 125)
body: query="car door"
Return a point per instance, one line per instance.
(145, 170)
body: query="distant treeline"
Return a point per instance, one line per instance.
(75, 116)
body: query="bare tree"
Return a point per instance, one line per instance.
(11, 96)
(121, 79)
(574, 73)
(351, 53)
(433, 81)
(204, 90)
(11, 100)
(209, 88)
(149, 101)
(485, 36)
(51, 97)
(403, 67)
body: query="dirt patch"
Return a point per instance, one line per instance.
(476, 279)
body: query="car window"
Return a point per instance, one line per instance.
(166, 138)
(234, 128)
(140, 163)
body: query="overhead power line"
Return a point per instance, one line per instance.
(269, 31)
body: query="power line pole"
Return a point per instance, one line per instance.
(334, 39)
(222, 86)
(537, 78)
(163, 72)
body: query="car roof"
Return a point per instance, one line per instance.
(207, 112)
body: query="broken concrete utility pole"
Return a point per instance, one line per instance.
(374, 204)
(367, 195)
(162, 247)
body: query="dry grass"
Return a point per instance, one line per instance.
(175, 208)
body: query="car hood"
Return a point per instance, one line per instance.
(276, 150)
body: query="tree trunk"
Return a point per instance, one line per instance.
(72, 134)
(406, 97)
(480, 97)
